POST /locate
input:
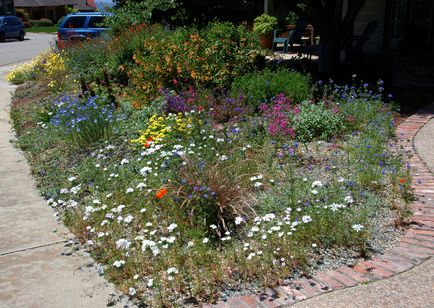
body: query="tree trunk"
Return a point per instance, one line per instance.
(330, 50)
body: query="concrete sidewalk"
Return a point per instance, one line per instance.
(33, 271)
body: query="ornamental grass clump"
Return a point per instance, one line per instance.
(84, 120)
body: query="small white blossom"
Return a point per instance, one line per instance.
(317, 184)
(239, 220)
(172, 227)
(72, 178)
(205, 240)
(129, 190)
(349, 199)
(124, 161)
(172, 270)
(306, 219)
(357, 227)
(150, 283)
(119, 263)
(132, 291)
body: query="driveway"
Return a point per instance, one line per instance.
(12, 51)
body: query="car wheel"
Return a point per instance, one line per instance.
(2, 37)
(21, 37)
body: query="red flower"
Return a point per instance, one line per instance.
(402, 181)
(148, 142)
(161, 193)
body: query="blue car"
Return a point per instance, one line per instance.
(11, 27)
(81, 26)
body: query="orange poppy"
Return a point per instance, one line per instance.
(148, 142)
(161, 193)
(402, 181)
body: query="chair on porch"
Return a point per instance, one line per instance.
(294, 36)
(278, 39)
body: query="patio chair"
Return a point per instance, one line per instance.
(295, 35)
(278, 39)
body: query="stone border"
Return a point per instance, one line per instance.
(416, 246)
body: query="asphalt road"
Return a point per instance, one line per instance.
(13, 51)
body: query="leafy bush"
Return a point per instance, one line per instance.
(264, 24)
(316, 121)
(211, 57)
(135, 13)
(24, 16)
(260, 87)
(87, 60)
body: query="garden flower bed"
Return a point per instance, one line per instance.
(206, 187)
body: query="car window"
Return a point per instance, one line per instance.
(96, 22)
(75, 22)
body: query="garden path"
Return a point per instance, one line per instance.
(402, 276)
(38, 266)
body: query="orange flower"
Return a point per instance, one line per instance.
(148, 142)
(161, 193)
(402, 181)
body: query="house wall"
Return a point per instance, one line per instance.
(373, 10)
(7, 7)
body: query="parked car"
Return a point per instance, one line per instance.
(11, 27)
(81, 26)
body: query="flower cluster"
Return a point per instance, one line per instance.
(161, 127)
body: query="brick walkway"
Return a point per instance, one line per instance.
(415, 247)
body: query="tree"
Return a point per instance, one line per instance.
(333, 25)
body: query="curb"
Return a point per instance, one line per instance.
(415, 247)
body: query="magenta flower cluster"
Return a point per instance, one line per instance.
(278, 116)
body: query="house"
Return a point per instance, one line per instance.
(51, 9)
(401, 23)
(7, 7)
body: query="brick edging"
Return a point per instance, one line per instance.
(416, 246)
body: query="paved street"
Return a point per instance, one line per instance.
(13, 51)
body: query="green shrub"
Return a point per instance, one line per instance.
(24, 16)
(259, 87)
(317, 121)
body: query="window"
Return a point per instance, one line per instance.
(96, 22)
(75, 22)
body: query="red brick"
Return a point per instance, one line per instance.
(328, 280)
(221, 305)
(424, 232)
(409, 253)
(399, 263)
(429, 246)
(292, 294)
(250, 300)
(353, 274)
(367, 271)
(379, 269)
(422, 218)
(307, 287)
(236, 302)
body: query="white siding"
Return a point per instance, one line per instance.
(373, 10)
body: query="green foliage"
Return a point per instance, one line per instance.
(211, 57)
(264, 24)
(24, 16)
(259, 87)
(316, 121)
(131, 13)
